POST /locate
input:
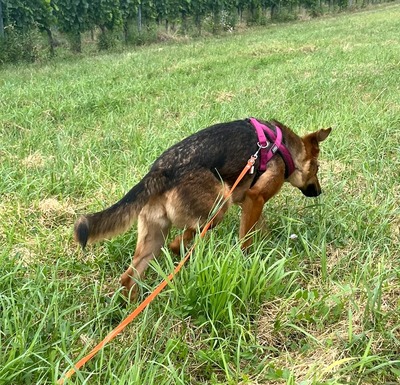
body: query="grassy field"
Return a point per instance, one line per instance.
(319, 309)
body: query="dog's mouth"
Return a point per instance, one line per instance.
(311, 191)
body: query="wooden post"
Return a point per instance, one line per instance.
(139, 19)
(1, 21)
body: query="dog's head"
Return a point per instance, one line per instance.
(305, 176)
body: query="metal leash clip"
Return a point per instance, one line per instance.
(255, 155)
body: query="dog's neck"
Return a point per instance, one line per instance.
(293, 142)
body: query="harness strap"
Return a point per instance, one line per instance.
(262, 143)
(268, 150)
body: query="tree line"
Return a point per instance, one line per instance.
(109, 21)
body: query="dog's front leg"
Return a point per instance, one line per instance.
(251, 210)
(266, 187)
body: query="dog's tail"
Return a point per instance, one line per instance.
(119, 217)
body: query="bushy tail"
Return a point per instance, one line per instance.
(119, 217)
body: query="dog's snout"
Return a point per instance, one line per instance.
(311, 191)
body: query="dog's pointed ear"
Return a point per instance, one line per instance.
(322, 134)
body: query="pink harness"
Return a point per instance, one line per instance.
(269, 148)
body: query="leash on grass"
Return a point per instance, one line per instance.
(159, 288)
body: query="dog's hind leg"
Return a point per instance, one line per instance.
(153, 227)
(184, 238)
(192, 202)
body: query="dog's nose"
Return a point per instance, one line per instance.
(311, 191)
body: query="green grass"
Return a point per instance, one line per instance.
(320, 309)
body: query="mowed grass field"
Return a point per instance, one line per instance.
(320, 307)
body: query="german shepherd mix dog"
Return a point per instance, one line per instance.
(187, 180)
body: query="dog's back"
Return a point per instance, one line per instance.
(221, 149)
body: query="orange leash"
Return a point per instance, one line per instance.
(156, 291)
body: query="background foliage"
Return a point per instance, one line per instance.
(137, 21)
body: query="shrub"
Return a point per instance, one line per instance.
(17, 46)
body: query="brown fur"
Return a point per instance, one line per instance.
(187, 180)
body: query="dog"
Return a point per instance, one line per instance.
(184, 183)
